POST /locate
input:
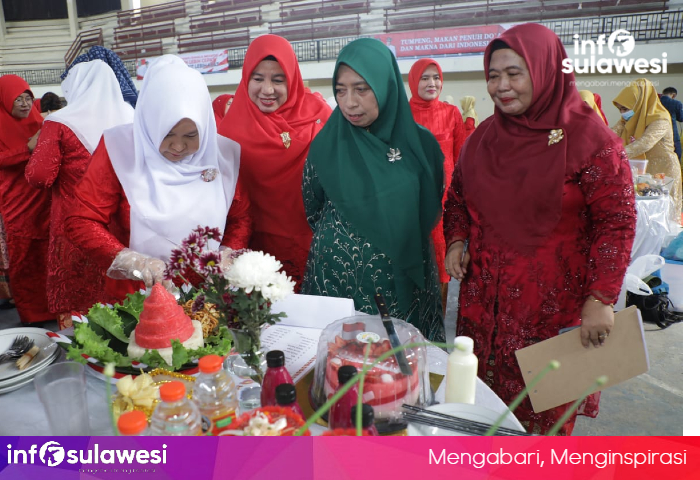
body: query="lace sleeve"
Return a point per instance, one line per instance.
(652, 134)
(45, 161)
(97, 201)
(609, 192)
(313, 195)
(239, 225)
(455, 218)
(618, 128)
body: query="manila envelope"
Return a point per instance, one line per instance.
(623, 356)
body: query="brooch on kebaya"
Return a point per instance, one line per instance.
(286, 139)
(555, 136)
(209, 174)
(394, 154)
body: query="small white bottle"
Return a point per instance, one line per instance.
(462, 365)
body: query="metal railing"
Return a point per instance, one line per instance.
(644, 27)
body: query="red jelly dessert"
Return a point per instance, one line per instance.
(386, 388)
(162, 320)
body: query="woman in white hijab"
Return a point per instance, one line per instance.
(152, 182)
(68, 138)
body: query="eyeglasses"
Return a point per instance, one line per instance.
(24, 100)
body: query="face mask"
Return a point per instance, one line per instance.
(628, 114)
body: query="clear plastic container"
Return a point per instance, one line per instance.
(215, 392)
(175, 415)
(134, 424)
(386, 388)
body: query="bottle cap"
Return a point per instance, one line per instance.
(367, 415)
(133, 422)
(210, 363)
(345, 373)
(285, 393)
(464, 344)
(275, 358)
(172, 391)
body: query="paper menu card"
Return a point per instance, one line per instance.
(297, 335)
(623, 356)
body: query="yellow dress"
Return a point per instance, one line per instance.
(657, 144)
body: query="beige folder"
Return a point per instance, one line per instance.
(623, 356)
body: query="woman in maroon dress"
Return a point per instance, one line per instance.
(68, 139)
(445, 123)
(25, 210)
(543, 197)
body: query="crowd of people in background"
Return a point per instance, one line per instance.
(531, 210)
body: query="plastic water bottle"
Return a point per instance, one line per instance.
(462, 365)
(175, 415)
(133, 423)
(215, 392)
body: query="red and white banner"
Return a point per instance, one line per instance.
(446, 41)
(211, 61)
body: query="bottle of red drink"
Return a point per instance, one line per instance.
(339, 417)
(368, 426)
(276, 374)
(286, 396)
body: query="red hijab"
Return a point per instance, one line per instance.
(599, 102)
(414, 77)
(271, 172)
(511, 175)
(219, 106)
(14, 133)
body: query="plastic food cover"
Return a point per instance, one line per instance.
(343, 342)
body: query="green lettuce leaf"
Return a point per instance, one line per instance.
(88, 342)
(130, 310)
(108, 319)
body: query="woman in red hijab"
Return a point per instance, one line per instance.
(543, 204)
(274, 120)
(24, 209)
(221, 104)
(445, 122)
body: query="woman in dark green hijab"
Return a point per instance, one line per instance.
(372, 186)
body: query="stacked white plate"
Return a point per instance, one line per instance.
(11, 378)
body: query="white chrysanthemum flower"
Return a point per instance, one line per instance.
(279, 289)
(253, 271)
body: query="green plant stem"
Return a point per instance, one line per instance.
(342, 390)
(553, 365)
(360, 389)
(110, 410)
(599, 382)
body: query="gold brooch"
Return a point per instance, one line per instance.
(555, 136)
(286, 139)
(394, 154)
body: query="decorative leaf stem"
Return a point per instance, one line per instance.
(599, 382)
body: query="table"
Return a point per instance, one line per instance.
(21, 412)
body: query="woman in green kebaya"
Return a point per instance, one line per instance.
(372, 186)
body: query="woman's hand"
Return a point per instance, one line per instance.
(596, 322)
(32, 141)
(455, 262)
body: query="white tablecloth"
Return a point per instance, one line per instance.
(21, 411)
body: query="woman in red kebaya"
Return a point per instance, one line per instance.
(151, 183)
(471, 119)
(68, 139)
(25, 210)
(275, 120)
(221, 104)
(445, 122)
(543, 199)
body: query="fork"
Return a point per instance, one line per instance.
(19, 347)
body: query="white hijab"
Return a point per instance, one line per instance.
(95, 103)
(170, 199)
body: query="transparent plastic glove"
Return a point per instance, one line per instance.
(227, 257)
(131, 265)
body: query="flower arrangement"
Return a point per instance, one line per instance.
(241, 285)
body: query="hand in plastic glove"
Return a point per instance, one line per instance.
(227, 257)
(131, 265)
